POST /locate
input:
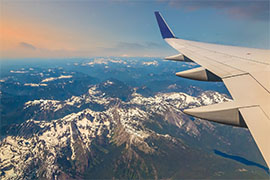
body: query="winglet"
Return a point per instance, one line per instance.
(165, 30)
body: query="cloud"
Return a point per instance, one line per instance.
(253, 9)
(27, 46)
(138, 46)
(153, 45)
(125, 55)
(130, 45)
(131, 49)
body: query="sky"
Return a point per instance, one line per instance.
(89, 28)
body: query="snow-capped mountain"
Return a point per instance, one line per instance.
(95, 124)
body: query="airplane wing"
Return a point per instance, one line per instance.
(244, 71)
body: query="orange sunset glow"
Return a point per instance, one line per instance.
(30, 39)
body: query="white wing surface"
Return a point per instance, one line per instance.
(246, 74)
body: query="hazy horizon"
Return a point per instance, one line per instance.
(46, 29)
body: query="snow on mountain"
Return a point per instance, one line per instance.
(44, 104)
(18, 72)
(56, 78)
(120, 122)
(46, 145)
(34, 84)
(149, 63)
(104, 61)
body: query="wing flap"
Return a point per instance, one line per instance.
(259, 125)
(247, 90)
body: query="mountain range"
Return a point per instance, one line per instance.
(101, 134)
(69, 125)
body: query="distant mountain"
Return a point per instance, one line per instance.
(112, 132)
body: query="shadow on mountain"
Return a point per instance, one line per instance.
(241, 160)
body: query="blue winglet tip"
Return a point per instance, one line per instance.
(163, 27)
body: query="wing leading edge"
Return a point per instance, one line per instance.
(246, 74)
